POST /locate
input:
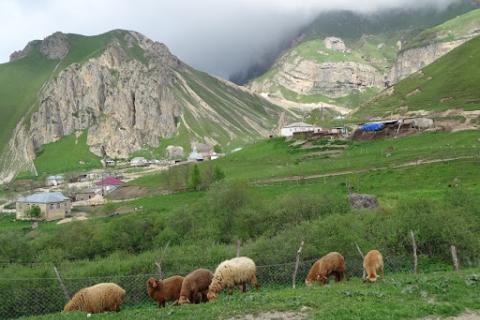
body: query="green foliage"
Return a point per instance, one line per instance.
(217, 148)
(34, 212)
(196, 180)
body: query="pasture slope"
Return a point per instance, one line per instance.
(400, 296)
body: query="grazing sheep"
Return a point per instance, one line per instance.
(164, 290)
(372, 263)
(231, 273)
(101, 297)
(195, 286)
(331, 264)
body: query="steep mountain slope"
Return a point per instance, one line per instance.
(433, 43)
(316, 74)
(449, 83)
(127, 92)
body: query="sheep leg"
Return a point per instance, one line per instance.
(254, 283)
(243, 287)
(382, 273)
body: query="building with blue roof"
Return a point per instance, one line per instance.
(53, 206)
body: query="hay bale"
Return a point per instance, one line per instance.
(363, 201)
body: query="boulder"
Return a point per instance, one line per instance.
(363, 201)
(335, 44)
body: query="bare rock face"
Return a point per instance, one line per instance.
(333, 79)
(335, 44)
(55, 46)
(412, 60)
(123, 103)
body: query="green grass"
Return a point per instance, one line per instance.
(20, 82)
(454, 29)
(65, 156)
(400, 296)
(433, 89)
(274, 158)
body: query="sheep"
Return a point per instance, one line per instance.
(372, 263)
(99, 298)
(164, 290)
(231, 273)
(332, 263)
(195, 286)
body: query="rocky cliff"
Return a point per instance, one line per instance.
(130, 96)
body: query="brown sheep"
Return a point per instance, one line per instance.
(331, 264)
(195, 286)
(164, 290)
(98, 298)
(372, 263)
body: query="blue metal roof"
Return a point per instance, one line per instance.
(44, 197)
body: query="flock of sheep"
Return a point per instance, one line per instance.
(202, 285)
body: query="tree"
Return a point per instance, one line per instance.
(217, 148)
(218, 174)
(34, 212)
(196, 179)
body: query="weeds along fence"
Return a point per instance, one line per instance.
(36, 296)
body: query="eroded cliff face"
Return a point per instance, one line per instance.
(332, 79)
(413, 60)
(123, 103)
(130, 96)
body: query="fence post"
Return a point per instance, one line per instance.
(414, 248)
(456, 265)
(239, 243)
(159, 269)
(62, 285)
(297, 261)
(363, 258)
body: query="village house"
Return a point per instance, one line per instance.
(139, 162)
(53, 206)
(109, 184)
(291, 129)
(85, 195)
(53, 181)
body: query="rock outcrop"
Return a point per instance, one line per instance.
(128, 97)
(412, 60)
(335, 44)
(55, 46)
(123, 103)
(332, 79)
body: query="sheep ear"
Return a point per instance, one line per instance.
(152, 283)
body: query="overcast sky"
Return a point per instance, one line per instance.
(217, 36)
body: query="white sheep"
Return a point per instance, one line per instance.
(231, 273)
(101, 297)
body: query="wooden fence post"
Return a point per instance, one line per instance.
(456, 264)
(414, 248)
(239, 243)
(297, 261)
(363, 258)
(159, 269)
(62, 285)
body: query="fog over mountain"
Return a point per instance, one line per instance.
(224, 38)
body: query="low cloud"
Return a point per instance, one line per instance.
(217, 36)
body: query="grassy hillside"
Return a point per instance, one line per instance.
(454, 29)
(448, 83)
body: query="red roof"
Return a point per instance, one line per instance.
(110, 181)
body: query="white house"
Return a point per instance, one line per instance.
(138, 162)
(55, 180)
(290, 129)
(195, 155)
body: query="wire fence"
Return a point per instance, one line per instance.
(38, 296)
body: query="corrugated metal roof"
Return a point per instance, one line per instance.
(44, 197)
